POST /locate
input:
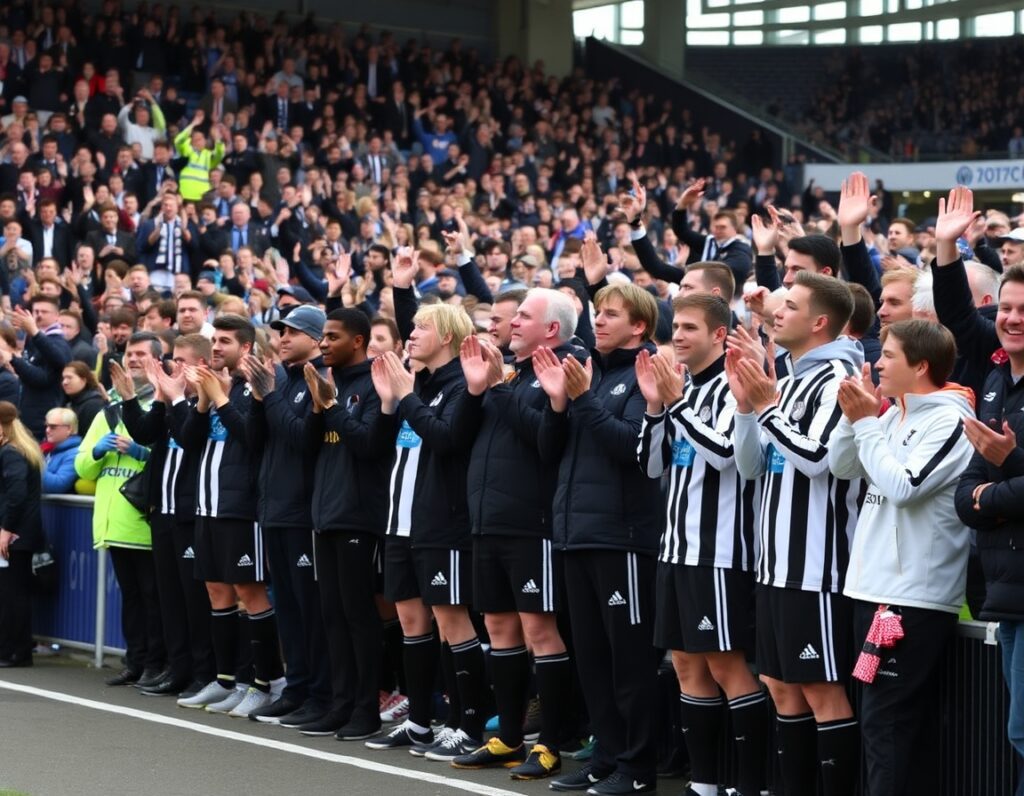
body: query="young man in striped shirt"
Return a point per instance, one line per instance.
(704, 608)
(807, 519)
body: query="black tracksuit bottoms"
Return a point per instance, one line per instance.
(346, 569)
(610, 595)
(173, 611)
(16, 607)
(140, 608)
(896, 706)
(296, 600)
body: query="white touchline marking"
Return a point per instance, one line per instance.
(267, 743)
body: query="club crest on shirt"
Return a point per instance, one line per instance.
(535, 383)
(799, 409)
(299, 396)
(618, 389)
(705, 414)
(437, 399)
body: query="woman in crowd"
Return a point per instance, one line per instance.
(62, 441)
(85, 397)
(21, 534)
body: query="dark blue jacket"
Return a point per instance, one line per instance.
(20, 496)
(40, 368)
(603, 499)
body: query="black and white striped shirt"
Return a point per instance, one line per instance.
(710, 511)
(807, 515)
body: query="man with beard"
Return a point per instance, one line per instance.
(229, 542)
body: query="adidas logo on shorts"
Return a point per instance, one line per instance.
(189, 553)
(530, 587)
(809, 654)
(303, 561)
(439, 580)
(245, 561)
(616, 599)
(705, 624)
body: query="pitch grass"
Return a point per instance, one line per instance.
(5, 792)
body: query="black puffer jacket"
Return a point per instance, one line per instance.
(1000, 519)
(510, 487)
(39, 368)
(21, 487)
(603, 499)
(350, 490)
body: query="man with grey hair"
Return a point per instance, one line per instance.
(515, 580)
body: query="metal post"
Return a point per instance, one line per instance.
(101, 606)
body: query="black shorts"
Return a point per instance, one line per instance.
(514, 573)
(438, 576)
(703, 609)
(804, 636)
(229, 551)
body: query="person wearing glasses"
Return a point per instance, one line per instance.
(60, 447)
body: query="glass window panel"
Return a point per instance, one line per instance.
(632, 14)
(871, 34)
(707, 37)
(748, 37)
(627, 36)
(837, 36)
(597, 22)
(869, 8)
(748, 18)
(948, 29)
(1000, 24)
(830, 11)
(794, 14)
(905, 31)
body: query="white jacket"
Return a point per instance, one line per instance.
(910, 548)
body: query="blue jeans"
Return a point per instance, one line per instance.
(1011, 640)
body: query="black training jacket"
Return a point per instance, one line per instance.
(277, 431)
(227, 466)
(1000, 519)
(440, 514)
(510, 487)
(350, 487)
(603, 499)
(172, 469)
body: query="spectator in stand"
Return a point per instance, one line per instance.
(38, 366)
(60, 448)
(21, 535)
(84, 396)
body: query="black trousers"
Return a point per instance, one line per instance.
(895, 707)
(16, 607)
(300, 624)
(173, 612)
(346, 569)
(140, 608)
(197, 603)
(611, 605)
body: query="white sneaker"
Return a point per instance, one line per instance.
(208, 695)
(396, 709)
(254, 700)
(442, 735)
(277, 687)
(230, 702)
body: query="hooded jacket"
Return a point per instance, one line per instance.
(350, 486)
(999, 518)
(603, 499)
(910, 548)
(807, 517)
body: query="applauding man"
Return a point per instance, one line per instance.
(705, 585)
(807, 519)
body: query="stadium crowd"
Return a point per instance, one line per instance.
(504, 382)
